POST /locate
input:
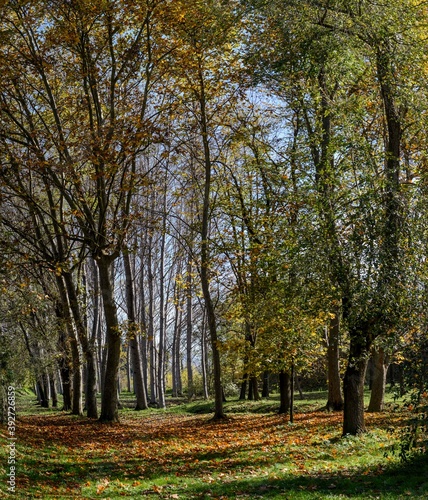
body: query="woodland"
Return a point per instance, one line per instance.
(214, 199)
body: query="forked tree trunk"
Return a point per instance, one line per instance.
(380, 367)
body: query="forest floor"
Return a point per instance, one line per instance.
(179, 453)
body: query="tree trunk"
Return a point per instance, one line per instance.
(77, 400)
(135, 354)
(353, 383)
(292, 377)
(54, 393)
(284, 392)
(176, 342)
(62, 312)
(150, 330)
(143, 323)
(91, 385)
(102, 354)
(129, 372)
(380, 369)
(162, 318)
(335, 399)
(243, 391)
(212, 327)
(205, 253)
(204, 360)
(139, 386)
(87, 348)
(189, 331)
(41, 393)
(245, 379)
(92, 375)
(265, 389)
(66, 388)
(109, 398)
(64, 371)
(253, 391)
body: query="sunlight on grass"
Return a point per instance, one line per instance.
(179, 453)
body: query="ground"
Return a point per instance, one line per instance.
(179, 453)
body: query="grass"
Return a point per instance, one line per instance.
(179, 453)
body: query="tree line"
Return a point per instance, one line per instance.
(211, 187)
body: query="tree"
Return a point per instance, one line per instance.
(206, 32)
(77, 86)
(366, 281)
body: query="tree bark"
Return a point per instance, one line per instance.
(135, 354)
(243, 391)
(162, 317)
(54, 393)
(77, 381)
(265, 388)
(87, 347)
(253, 390)
(189, 331)
(204, 358)
(150, 329)
(63, 311)
(205, 254)
(335, 399)
(41, 393)
(109, 398)
(353, 382)
(380, 369)
(245, 379)
(176, 342)
(66, 388)
(64, 371)
(46, 387)
(143, 322)
(129, 371)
